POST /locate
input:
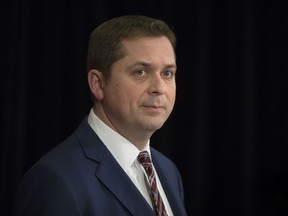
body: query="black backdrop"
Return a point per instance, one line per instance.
(228, 132)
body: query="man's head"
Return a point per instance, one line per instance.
(132, 69)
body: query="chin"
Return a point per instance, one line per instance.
(154, 126)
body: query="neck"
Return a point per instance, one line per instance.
(138, 138)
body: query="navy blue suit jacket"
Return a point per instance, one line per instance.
(81, 177)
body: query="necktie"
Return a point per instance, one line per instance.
(145, 161)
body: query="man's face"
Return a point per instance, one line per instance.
(140, 93)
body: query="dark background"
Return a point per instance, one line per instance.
(228, 133)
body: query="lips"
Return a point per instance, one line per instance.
(154, 106)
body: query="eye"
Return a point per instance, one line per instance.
(140, 72)
(169, 74)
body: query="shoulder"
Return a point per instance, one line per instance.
(162, 162)
(68, 157)
(160, 157)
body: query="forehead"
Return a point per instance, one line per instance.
(159, 47)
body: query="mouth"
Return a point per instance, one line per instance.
(153, 106)
(155, 109)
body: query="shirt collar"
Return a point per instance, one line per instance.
(122, 149)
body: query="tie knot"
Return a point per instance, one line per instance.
(144, 159)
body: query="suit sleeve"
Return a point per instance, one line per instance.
(44, 192)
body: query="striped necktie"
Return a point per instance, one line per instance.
(145, 161)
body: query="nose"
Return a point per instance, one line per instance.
(157, 85)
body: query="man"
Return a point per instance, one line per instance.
(96, 171)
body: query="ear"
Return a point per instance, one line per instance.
(95, 81)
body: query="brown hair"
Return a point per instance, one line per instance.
(105, 41)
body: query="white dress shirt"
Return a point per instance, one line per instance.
(126, 154)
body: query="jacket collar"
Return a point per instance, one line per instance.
(110, 173)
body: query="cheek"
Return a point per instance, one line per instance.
(172, 94)
(112, 92)
(123, 93)
(172, 101)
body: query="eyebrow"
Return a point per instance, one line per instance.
(145, 64)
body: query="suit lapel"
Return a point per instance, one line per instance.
(167, 185)
(110, 173)
(117, 181)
